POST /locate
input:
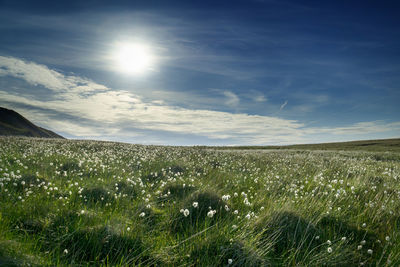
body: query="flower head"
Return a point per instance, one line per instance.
(211, 213)
(226, 197)
(186, 212)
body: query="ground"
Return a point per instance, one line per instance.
(66, 202)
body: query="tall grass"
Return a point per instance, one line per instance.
(86, 203)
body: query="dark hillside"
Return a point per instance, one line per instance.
(12, 123)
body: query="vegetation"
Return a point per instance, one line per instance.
(87, 203)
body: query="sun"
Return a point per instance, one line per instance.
(133, 58)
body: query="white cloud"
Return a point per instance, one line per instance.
(122, 109)
(118, 113)
(37, 74)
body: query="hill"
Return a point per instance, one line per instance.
(13, 123)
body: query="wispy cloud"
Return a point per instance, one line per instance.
(283, 105)
(260, 98)
(36, 74)
(232, 98)
(105, 113)
(358, 128)
(257, 96)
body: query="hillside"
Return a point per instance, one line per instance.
(12, 123)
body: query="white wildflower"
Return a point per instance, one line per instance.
(211, 213)
(186, 212)
(226, 197)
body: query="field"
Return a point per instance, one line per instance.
(380, 145)
(85, 203)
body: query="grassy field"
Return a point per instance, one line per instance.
(85, 203)
(380, 145)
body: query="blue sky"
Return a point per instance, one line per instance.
(222, 72)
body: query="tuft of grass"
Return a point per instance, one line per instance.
(101, 245)
(96, 196)
(177, 191)
(199, 217)
(284, 231)
(126, 189)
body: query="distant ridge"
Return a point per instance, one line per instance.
(389, 145)
(12, 123)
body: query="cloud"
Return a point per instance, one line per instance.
(358, 128)
(36, 74)
(260, 98)
(92, 110)
(232, 98)
(120, 110)
(283, 105)
(256, 96)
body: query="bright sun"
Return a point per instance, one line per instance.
(133, 58)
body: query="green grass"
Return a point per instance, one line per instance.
(88, 203)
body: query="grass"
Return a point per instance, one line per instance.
(88, 203)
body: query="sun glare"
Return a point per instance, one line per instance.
(133, 58)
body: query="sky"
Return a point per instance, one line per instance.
(204, 72)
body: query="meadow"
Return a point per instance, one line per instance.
(92, 203)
